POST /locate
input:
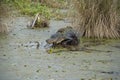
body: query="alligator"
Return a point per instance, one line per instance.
(65, 37)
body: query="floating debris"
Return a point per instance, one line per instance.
(38, 22)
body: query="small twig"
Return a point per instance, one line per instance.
(34, 21)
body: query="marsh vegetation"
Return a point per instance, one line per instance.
(97, 18)
(91, 18)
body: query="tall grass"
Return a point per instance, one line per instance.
(97, 18)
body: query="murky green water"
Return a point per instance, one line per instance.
(21, 59)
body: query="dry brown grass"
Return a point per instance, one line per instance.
(97, 18)
(3, 28)
(3, 14)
